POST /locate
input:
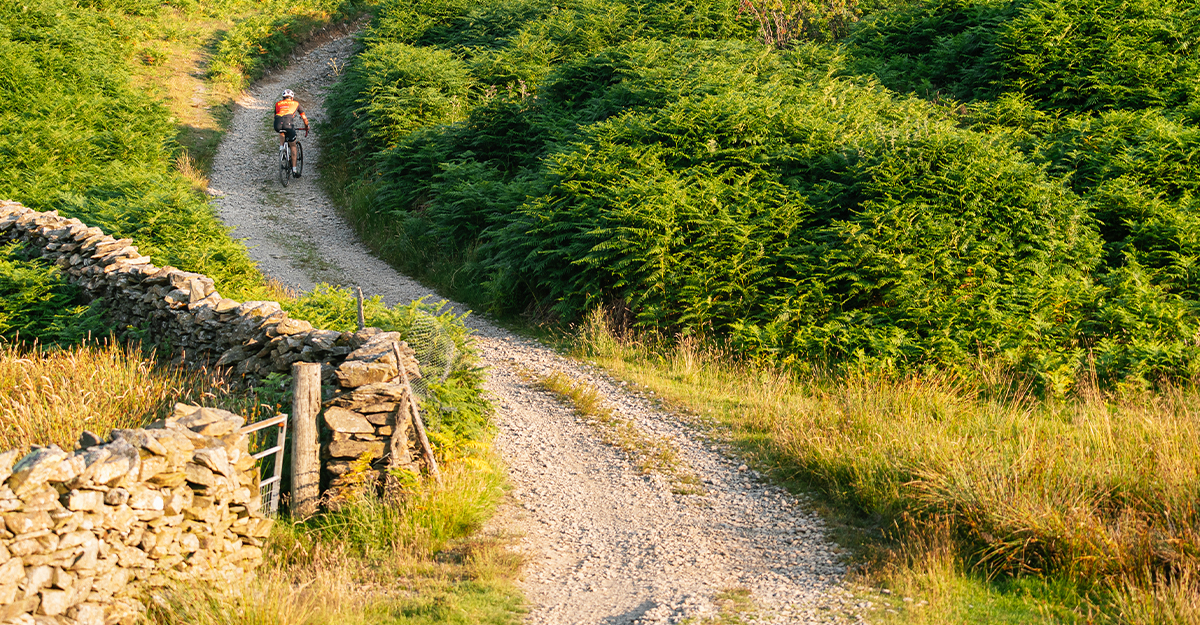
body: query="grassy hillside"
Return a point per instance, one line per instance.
(950, 241)
(84, 136)
(85, 142)
(95, 129)
(935, 188)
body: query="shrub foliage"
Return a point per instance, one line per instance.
(36, 303)
(956, 179)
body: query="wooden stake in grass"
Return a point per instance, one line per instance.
(426, 448)
(362, 319)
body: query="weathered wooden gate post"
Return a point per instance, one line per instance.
(306, 461)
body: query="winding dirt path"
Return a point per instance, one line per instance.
(605, 543)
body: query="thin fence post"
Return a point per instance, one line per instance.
(362, 319)
(306, 461)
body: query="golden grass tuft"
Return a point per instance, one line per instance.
(1168, 600)
(191, 170)
(51, 395)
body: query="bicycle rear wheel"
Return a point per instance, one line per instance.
(285, 165)
(299, 158)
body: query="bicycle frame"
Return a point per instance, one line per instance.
(290, 155)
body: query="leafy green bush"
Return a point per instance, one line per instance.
(1069, 54)
(697, 19)
(37, 304)
(718, 187)
(394, 89)
(945, 48)
(956, 247)
(772, 220)
(1103, 54)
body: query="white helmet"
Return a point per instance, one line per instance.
(288, 93)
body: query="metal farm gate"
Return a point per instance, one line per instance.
(268, 489)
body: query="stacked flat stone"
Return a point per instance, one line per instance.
(254, 338)
(84, 532)
(364, 415)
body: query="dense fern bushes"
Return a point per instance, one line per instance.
(956, 179)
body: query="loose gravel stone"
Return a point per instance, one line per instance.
(604, 542)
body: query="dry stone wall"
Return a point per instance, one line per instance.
(85, 532)
(253, 338)
(368, 416)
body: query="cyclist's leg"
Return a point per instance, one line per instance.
(291, 138)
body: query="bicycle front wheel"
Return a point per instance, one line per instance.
(285, 165)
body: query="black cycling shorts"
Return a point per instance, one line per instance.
(289, 134)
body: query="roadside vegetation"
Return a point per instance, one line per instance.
(50, 396)
(659, 158)
(933, 260)
(417, 559)
(111, 113)
(113, 109)
(974, 495)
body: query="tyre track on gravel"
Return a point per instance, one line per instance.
(604, 543)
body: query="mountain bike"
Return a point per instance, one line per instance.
(285, 161)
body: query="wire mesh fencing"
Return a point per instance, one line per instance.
(435, 349)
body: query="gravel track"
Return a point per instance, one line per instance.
(605, 544)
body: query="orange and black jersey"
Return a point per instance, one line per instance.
(285, 114)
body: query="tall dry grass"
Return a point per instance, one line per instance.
(1100, 490)
(51, 395)
(1168, 600)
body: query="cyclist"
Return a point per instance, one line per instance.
(286, 110)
